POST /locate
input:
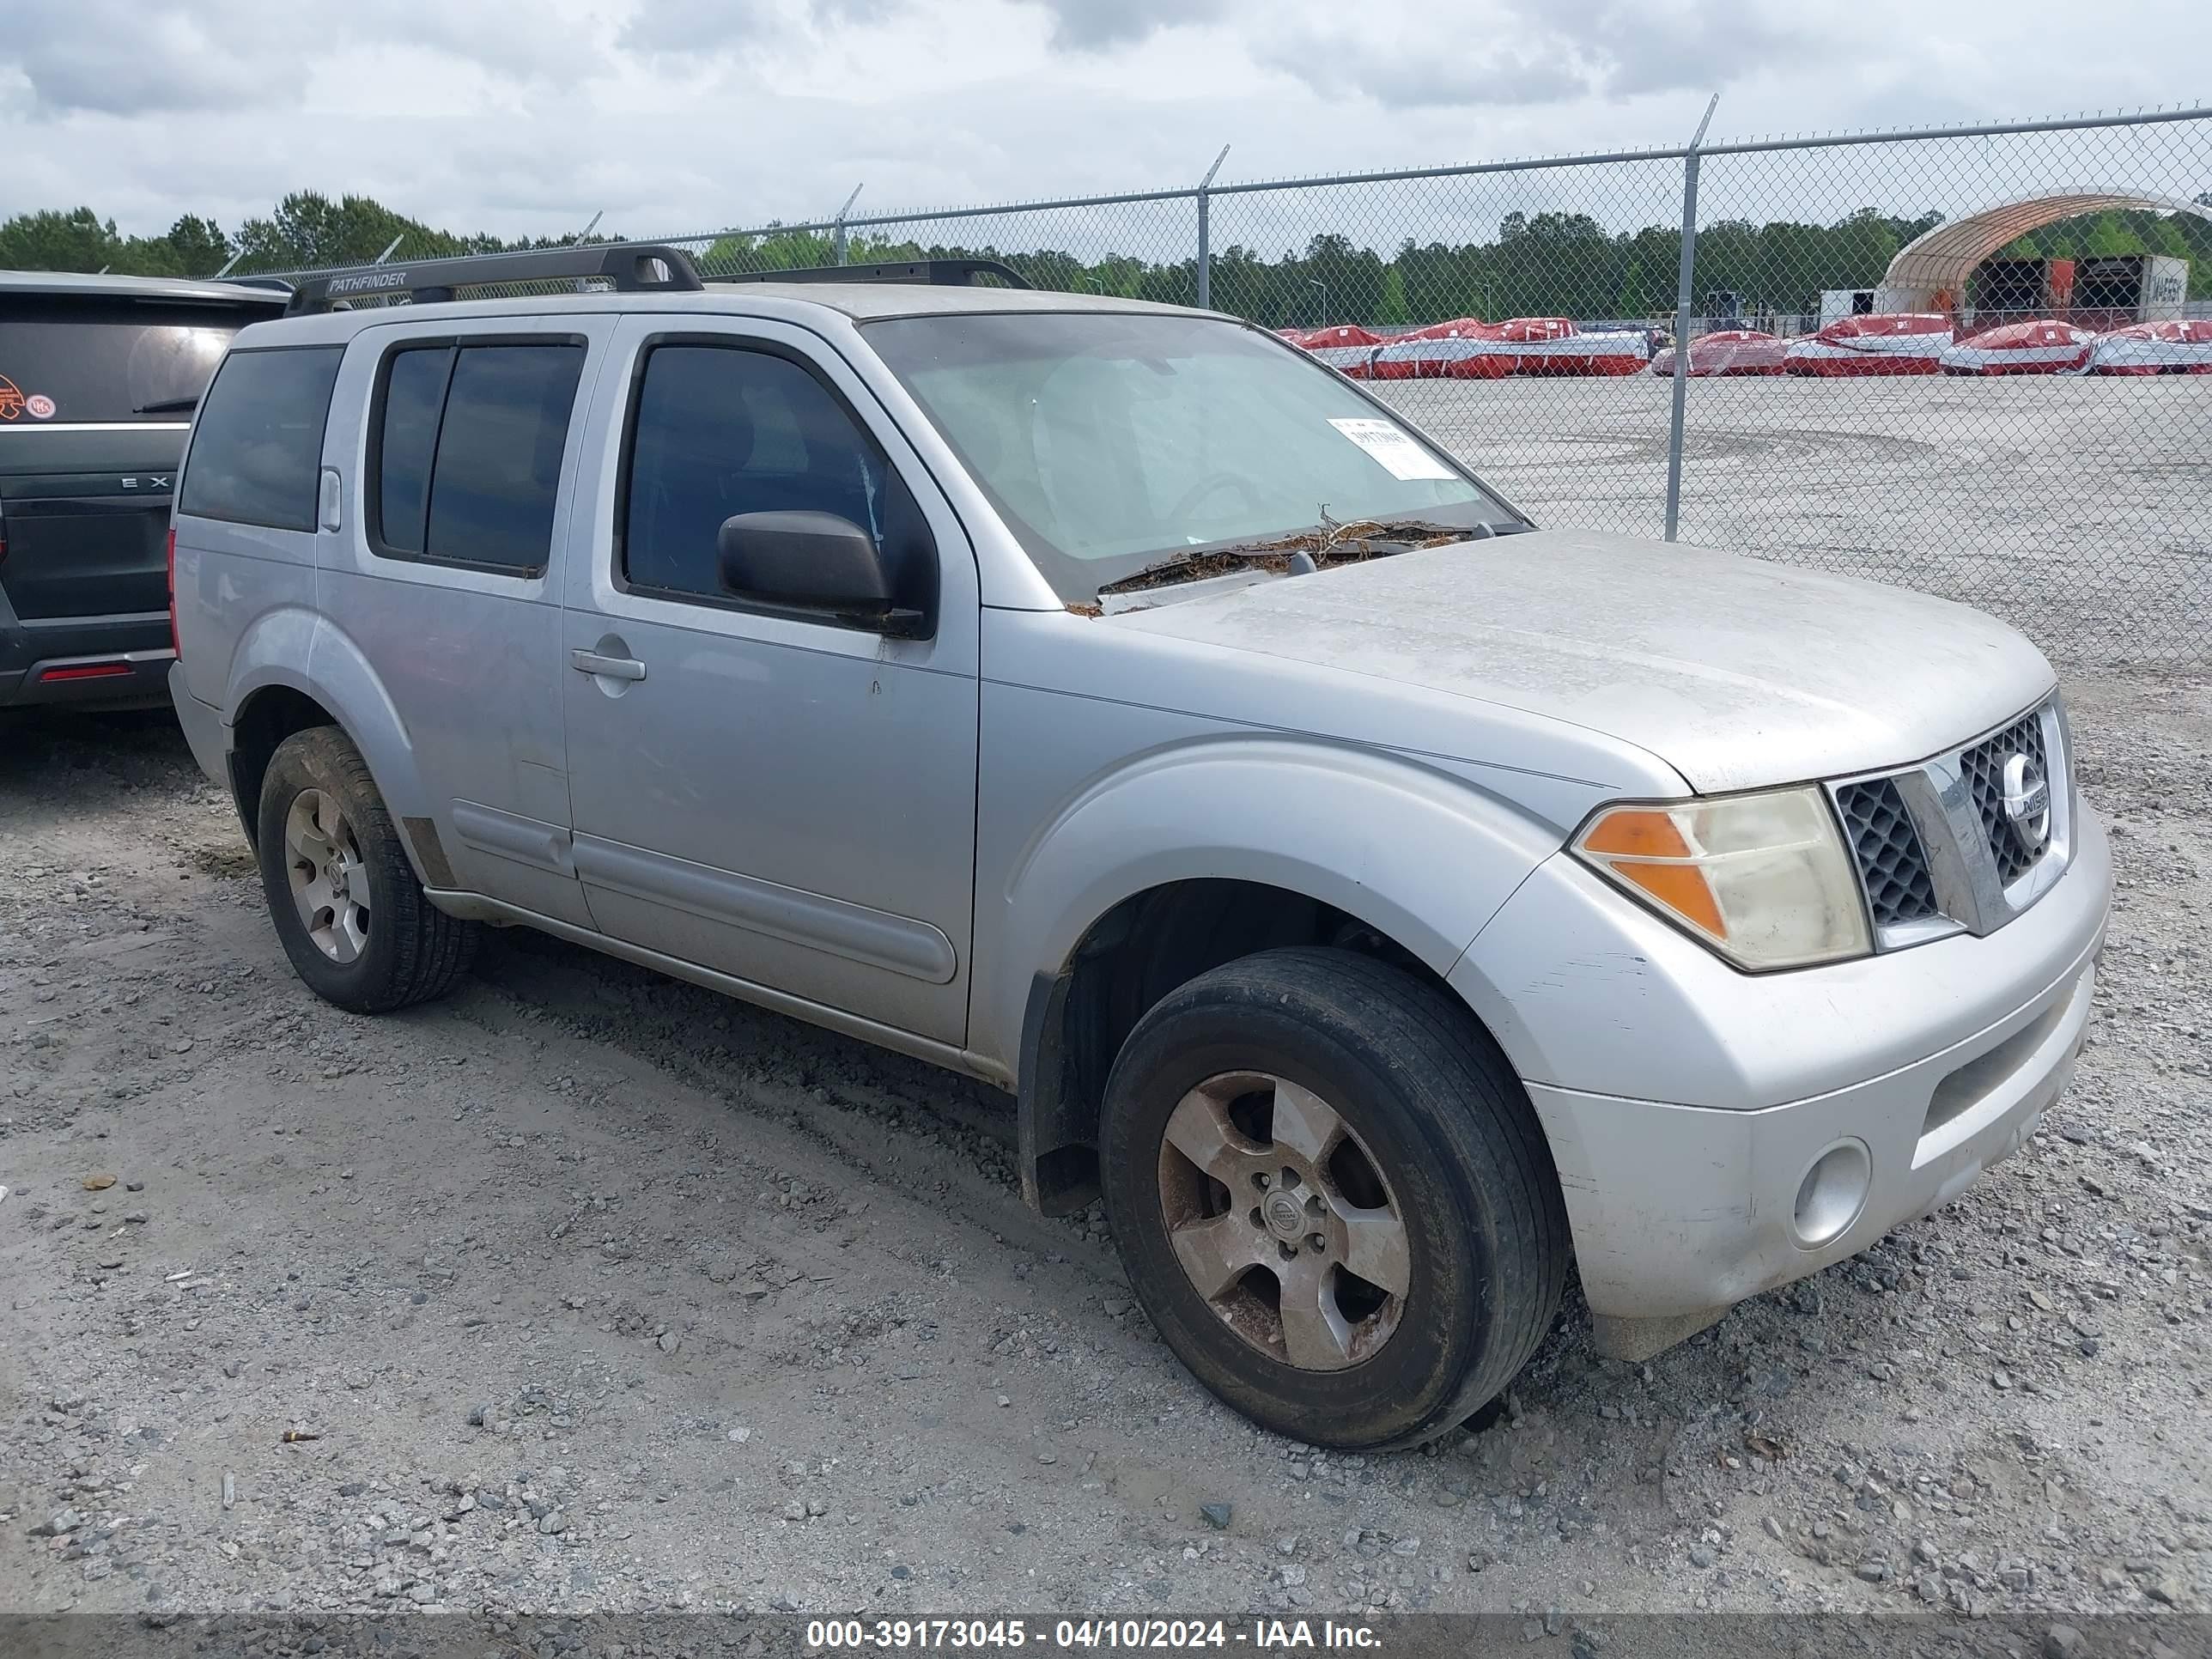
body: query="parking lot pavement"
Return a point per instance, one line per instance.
(2070, 507)
(587, 1289)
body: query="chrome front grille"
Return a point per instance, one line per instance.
(1940, 848)
(1893, 864)
(1984, 765)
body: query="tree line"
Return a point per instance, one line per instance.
(1554, 263)
(306, 231)
(1545, 264)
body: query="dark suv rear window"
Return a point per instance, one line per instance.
(70, 361)
(257, 447)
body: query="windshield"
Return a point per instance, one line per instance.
(1111, 441)
(64, 361)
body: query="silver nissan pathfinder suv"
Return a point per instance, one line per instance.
(1382, 901)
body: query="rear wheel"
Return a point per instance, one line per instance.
(1333, 1197)
(346, 904)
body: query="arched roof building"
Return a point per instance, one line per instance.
(1937, 265)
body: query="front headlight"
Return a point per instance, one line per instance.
(1764, 880)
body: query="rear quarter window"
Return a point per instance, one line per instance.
(257, 444)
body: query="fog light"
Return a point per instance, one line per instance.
(1833, 1193)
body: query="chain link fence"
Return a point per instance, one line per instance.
(1975, 361)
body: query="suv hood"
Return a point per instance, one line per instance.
(1737, 673)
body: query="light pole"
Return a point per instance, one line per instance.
(1316, 284)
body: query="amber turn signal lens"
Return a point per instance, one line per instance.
(1627, 839)
(1631, 833)
(1683, 889)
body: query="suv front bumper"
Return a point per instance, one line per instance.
(1925, 1066)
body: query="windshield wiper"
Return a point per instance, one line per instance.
(1301, 550)
(168, 405)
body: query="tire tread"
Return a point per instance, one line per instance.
(432, 949)
(1469, 1093)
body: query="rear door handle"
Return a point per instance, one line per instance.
(610, 668)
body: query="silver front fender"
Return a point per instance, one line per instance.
(1410, 850)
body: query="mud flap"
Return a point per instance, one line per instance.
(1057, 1140)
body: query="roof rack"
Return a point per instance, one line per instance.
(627, 267)
(630, 267)
(941, 273)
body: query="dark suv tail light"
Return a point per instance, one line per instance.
(172, 587)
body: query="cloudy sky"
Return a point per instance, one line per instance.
(529, 116)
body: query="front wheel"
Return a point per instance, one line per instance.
(344, 900)
(1333, 1197)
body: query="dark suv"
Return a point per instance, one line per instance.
(98, 377)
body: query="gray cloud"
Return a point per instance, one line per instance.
(1469, 75)
(711, 27)
(1632, 47)
(141, 57)
(1543, 51)
(115, 57)
(698, 26)
(513, 41)
(1098, 25)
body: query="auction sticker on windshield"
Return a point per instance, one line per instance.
(1393, 448)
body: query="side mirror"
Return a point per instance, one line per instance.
(812, 562)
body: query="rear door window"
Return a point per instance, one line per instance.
(257, 446)
(467, 464)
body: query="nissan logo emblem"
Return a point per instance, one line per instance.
(2026, 801)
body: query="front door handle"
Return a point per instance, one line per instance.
(608, 668)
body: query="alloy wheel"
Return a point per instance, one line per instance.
(329, 877)
(1283, 1221)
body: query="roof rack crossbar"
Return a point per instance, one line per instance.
(631, 267)
(941, 273)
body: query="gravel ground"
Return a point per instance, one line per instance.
(587, 1289)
